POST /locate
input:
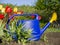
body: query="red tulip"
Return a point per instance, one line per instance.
(7, 6)
(8, 9)
(39, 17)
(32, 16)
(1, 16)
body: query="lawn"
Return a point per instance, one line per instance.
(53, 29)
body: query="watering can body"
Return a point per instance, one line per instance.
(31, 24)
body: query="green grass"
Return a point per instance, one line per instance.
(53, 30)
(50, 28)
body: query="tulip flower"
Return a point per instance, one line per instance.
(15, 9)
(1, 6)
(1, 16)
(32, 16)
(39, 17)
(3, 10)
(20, 12)
(8, 9)
(15, 12)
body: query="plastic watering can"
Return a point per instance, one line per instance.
(32, 24)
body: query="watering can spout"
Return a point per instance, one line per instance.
(54, 18)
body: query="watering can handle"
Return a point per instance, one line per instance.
(20, 15)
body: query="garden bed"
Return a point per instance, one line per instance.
(53, 38)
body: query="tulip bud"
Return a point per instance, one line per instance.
(1, 16)
(39, 17)
(1, 6)
(20, 12)
(3, 10)
(32, 16)
(8, 9)
(15, 9)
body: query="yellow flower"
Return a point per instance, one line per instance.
(15, 9)
(1, 6)
(3, 10)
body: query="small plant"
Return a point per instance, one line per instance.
(1, 28)
(45, 38)
(15, 34)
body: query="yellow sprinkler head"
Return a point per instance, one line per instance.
(1, 6)
(3, 10)
(15, 9)
(54, 17)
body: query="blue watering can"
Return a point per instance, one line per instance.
(32, 24)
